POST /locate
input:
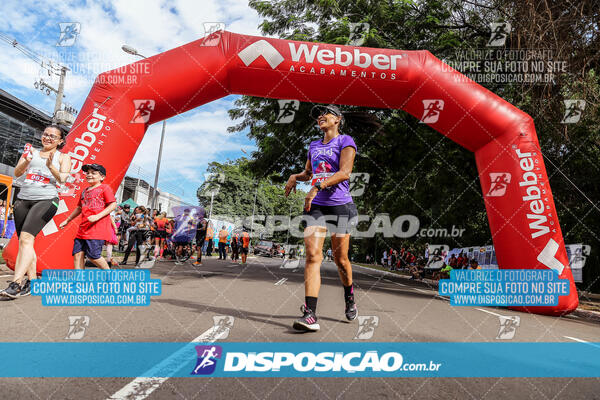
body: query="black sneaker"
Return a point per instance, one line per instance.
(308, 322)
(25, 289)
(12, 290)
(351, 310)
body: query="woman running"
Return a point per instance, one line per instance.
(139, 225)
(37, 202)
(160, 234)
(330, 162)
(200, 240)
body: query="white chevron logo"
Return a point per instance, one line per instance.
(261, 48)
(51, 227)
(547, 257)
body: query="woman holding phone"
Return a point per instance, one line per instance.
(36, 203)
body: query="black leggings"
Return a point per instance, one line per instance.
(32, 215)
(135, 237)
(222, 251)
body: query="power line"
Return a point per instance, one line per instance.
(46, 63)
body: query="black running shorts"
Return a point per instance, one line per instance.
(340, 219)
(32, 215)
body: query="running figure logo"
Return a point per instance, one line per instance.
(211, 37)
(508, 327)
(500, 31)
(68, 33)
(431, 111)
(222, 324)
(143, 108)
(212, 184)
(291, 261)
(573, 111)
(366, 326)
(358, 33)
(437, 255)
(287, 111)
(358, 182)
(498, 183)
(77, 326)
(207, 359)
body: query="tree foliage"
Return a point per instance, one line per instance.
(241, 195)
(414, 170)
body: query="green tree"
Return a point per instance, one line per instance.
(234, 189)
(413, 169)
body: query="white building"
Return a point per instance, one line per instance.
(141, 192)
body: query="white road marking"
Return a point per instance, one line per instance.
(422, 291)
(280, 282)
(582, 341)
(576, 339)
(396, 283)
(142, 387)
(5, 276)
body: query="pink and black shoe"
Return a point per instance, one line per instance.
(308, 322)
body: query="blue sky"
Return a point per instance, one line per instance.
(193, 139)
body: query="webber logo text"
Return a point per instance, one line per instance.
(337, 62)
(369, 361)
(330, 58)
(534, 194)
(84, 142)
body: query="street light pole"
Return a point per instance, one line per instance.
(212, 196)
(160, 149)
(253, 209)
(287, 239)
(133, 51)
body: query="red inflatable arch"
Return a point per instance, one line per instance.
(124, 102)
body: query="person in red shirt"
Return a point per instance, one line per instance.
(452, 262)
(459, 261)
(245, 245)
(95, 205)
(160, 234)
(235, 246)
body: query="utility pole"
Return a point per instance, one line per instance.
(49, 65)
(59, 95)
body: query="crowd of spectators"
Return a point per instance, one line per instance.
(436, 265)
(406, 257)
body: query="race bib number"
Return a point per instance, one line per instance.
(320, 178)
(37, 178)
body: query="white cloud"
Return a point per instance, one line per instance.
(192, 140)
(151, 26)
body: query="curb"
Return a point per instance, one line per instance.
(587, 314)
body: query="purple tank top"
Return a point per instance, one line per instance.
(325, 161)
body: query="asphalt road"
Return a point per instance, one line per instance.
(263, 300)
